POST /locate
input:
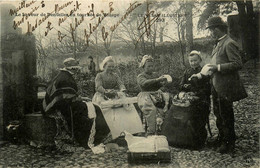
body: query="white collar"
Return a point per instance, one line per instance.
(222, 37)
(64, 69)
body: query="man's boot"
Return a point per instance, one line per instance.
(224, 148)
(231, 147)
(214, 143)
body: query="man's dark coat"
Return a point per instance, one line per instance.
(227, 82)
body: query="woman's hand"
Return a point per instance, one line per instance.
(161, 79)
(78, 98)
(111, 93)
(121, 94)
(114, 92)
(159, 120)
(198, 75)
(164, 82)
(123, 90)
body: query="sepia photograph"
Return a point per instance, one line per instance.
(125, 83)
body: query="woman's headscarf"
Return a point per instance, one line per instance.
(144, 59)
(103, 63)
(195, 52)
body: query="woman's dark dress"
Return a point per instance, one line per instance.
(60, 104)
(185, 126)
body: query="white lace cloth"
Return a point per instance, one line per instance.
(153, 143)
(92, 115)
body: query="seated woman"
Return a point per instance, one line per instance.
(190, 83)
(110, 89)
(152, 101)
(76, 120)
(185, 125)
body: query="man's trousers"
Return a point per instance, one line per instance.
(223, 110)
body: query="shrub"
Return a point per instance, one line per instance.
(168, 60)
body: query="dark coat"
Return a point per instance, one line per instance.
(199, 86)
(227, 82)
(61, 90)
(59, 96)
(92, 68)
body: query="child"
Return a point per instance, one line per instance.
(91, 66)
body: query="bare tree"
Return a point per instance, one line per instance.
(180, 22)
(189, 26)
(43, 55)
(129, 33)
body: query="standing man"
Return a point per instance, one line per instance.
(92, 66)
(226, 84)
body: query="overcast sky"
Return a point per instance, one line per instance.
(119, 6)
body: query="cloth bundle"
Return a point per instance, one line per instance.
(184, 99)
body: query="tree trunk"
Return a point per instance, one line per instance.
(249, 34)
(108, 51)
(182, 32)
(142, 41)
(189, 26)
(97, 58)
(161, 34)
(74, 44)
(153, 38)
(180, 42)
(137, 49)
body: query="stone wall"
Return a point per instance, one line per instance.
(17, 71)
(1, 102)
(6, 24)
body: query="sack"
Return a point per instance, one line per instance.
(184, 126)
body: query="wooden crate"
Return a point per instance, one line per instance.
(148, 157)
(39, 128)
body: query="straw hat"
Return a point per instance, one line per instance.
(71, 63)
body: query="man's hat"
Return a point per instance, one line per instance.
(215, 21)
